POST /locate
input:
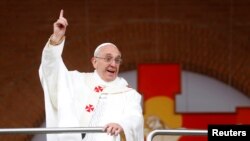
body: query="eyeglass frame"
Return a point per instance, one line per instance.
(118, 61)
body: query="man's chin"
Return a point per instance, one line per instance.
(110, 78)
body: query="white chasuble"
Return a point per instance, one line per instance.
(75, 99)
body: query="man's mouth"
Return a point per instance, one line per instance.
(111, 71)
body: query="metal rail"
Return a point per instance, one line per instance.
(153, 133)
(51, 130)
(150, 136)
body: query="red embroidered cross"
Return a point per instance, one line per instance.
(89, 108)
(98, 89)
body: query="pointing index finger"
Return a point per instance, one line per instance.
(61, 14)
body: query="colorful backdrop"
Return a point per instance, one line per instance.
(159, 84)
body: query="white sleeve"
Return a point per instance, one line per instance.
(133, 122)
(58, 91)
(49, 69)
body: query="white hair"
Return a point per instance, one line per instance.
(98, 48)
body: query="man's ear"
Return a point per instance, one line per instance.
(93, 60)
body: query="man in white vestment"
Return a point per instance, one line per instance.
(94, 99)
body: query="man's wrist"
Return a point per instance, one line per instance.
(55, 42)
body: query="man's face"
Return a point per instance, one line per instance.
(107, 62)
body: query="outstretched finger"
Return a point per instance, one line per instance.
(61, 14)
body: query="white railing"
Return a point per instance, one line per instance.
(51, 130)
(150, 136)
(153, 133)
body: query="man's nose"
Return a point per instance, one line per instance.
(113, 63)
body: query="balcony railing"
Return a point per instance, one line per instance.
(50, 130)
(153, 133)
(150, 136)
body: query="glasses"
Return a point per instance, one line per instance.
(110, 59)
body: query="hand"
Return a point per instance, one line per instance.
(59, 28)
(113, 129)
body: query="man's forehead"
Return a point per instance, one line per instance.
(110, 50)
(112, 54)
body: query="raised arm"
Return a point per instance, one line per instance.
(53, 71)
